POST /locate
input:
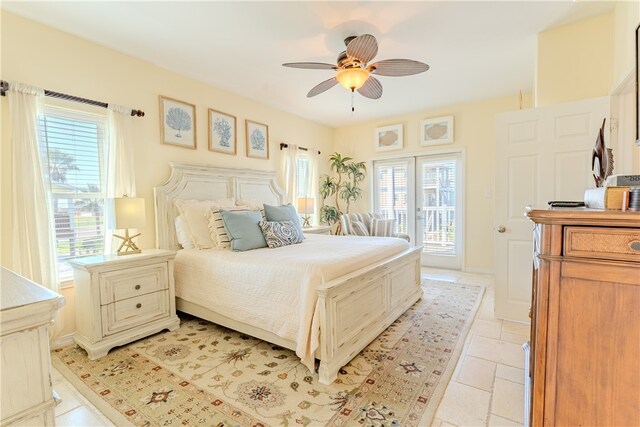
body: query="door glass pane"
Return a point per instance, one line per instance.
(438, 182)
(391, 199)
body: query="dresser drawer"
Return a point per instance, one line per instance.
(132, 282)
(602, 243)
(128, 313)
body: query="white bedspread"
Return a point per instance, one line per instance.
(273, 289)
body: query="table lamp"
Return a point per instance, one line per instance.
(128, 212)
(306, 207)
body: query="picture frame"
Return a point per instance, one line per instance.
(388, 138)
(436, 131)
(223, 133)
(177, 123)
(257, 138)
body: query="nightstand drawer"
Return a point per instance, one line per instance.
(132, 282)
(602, 243)
(132, 312)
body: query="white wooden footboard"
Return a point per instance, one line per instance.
(356, 308)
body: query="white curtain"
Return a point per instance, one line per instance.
(291, 174)
(121, 178)
(32, 226)
(314, 176)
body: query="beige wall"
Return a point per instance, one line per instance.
(626, 17)
(36, 54)
(474, 131)
(575, 61)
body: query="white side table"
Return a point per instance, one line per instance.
(318, 229)
(120, 299)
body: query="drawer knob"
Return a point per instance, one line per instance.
(138, 305)
(137, 288)
(635, 245)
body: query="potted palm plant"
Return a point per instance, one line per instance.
(343, 187)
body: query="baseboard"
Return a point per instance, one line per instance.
(62, 341)
(479, 270)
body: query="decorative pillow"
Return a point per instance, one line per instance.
(383, 227)
(243, 230)
(359, 229)
(283, 213)
(182, 234)
(280, 233)
(194, 213)
(216, 225)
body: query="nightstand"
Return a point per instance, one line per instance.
(120, 299)
(318, 229)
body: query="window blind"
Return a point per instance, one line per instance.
(392, 194)
(438, 178)
(73, 152)
(303, 177)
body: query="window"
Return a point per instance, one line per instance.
(303, 177)
(392, 193)
(439, 205)
(73, 152)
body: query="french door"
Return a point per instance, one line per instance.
(424, 195)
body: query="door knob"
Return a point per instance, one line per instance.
(502, 229)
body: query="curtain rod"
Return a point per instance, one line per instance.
(4, 87)
(284, 145)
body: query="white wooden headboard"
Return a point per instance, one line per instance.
(202, 182)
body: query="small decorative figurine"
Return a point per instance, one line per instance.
(601, 159)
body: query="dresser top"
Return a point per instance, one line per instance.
(104, 260)
(584, 216)
(17, 291)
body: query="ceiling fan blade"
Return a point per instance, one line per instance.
(397, 67)
(310, 65)
(324, 86)
(371, 88)
(363, 48)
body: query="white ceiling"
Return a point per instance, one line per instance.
(475, 49)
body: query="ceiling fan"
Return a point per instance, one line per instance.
(353, 71)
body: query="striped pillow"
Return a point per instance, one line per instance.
(216, 225)
(359, 229)
(383, 227)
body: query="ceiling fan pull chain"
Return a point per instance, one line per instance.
(353, 101)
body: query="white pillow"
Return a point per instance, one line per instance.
(252, 204)
(182, 233)
(194, 213)
(215, 225)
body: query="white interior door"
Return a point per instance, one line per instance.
(439, 210)
(542, 154)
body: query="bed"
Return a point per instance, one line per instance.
(332, 294)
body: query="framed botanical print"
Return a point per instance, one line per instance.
(222, 132)
(388, 138)
(257, 135)
(177, 122)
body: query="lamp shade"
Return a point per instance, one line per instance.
(127, 212)
(352, 78)
(306, 205)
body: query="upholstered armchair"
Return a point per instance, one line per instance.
(369, 224)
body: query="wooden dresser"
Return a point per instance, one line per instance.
(584, 363)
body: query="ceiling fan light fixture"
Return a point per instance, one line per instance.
(352, 78)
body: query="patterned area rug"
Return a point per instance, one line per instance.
(204, 374)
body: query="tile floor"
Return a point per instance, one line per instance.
(486, 389)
